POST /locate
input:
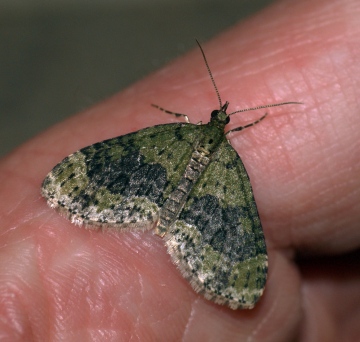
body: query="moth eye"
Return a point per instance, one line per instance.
(214, 113)
(227, 120)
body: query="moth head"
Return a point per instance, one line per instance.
(220, 116)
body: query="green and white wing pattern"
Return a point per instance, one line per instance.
(121, 182)
(188, 183)
(217, 241)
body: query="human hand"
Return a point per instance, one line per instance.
(61, 282)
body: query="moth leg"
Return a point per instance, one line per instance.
(172, 113)
(248, 125)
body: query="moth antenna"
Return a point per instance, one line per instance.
(265, 106)
(210, 74)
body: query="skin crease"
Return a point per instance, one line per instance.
(61, 282)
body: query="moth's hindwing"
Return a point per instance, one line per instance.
(217, 241)
(121, 182)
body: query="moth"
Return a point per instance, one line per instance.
(187, 183)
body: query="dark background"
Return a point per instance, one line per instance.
(63, 56)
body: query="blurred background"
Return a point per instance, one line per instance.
(61, 56)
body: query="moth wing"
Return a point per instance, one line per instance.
(217, 241)
(121, 182)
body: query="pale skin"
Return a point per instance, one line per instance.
(61, 282)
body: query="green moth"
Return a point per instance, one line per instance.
(186, 181)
